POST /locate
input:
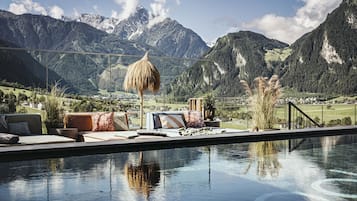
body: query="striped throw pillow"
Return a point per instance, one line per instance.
(120, 121)
(172, 121)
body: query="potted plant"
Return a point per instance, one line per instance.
(262, 100)
(209, 107)
(54, 110)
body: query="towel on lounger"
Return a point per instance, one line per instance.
(6, 138)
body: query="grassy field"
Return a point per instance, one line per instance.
(327, 113)
(324, 112)
(16, 91)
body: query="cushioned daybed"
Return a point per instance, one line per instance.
(25, 129)
(100, 126)
(181, 123)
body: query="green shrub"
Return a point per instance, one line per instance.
(346, 121)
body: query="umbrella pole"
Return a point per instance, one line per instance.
(141, 111)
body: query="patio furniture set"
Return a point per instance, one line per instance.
(24, 129)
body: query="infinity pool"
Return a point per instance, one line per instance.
(313, 169)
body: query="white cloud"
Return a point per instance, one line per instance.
(128, 8)
(18, 9)
(288, 29)
(76, 13)
(158, 12)
(26, 6)
(115, 14)
(56, 12)
(96, 9)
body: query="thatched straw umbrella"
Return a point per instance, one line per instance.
(142, 75)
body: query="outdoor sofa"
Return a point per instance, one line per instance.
(181, 123)
(23, 129)
(100, 126)
(104, 126)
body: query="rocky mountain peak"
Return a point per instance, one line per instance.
(165, 35)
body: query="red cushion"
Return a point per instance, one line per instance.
(103, 122)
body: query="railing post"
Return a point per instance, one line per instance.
(289, 115)
(301, 112)
(355, 115)
(322, 114)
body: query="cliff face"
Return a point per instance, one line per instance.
(325, 60)
(235, 56)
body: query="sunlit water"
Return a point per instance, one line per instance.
(317, 169)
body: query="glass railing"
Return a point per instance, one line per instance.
(94, 82)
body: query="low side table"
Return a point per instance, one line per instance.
(68, 132)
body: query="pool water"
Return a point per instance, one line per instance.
(315, 169)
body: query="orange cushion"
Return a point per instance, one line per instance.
(81, 121)
(103, 122)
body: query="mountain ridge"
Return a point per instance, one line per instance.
(234, 57)
(167, 35)
(326, 57)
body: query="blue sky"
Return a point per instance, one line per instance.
(285, 20)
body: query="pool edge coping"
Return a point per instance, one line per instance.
(29, 152)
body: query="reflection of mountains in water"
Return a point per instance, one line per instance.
(97, 164)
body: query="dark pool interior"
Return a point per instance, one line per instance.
(311, 169)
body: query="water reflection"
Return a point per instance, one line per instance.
(55, 164)
(143, 177)
(219, 172)
(265, 154)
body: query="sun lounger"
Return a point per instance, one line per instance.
(43, 139)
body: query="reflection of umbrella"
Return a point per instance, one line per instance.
(142, 75)
(143, 177)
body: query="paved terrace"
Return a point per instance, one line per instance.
(28, 152)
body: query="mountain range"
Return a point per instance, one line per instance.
(66, 42)
(20, 67)
(167, 35)
(323, 60)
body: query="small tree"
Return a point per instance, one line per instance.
(262, 100)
